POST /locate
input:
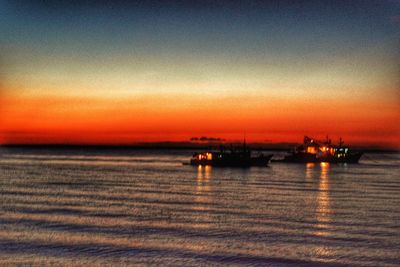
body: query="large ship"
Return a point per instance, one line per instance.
(321, 151)
(233, 157)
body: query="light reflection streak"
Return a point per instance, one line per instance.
(309, 170)
(204, 175)
(323, 210)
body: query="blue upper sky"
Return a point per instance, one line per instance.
(239, 30)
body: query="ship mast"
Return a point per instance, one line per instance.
(340, 142)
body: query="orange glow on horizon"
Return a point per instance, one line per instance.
(43, 119)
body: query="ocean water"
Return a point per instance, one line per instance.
(107, 208)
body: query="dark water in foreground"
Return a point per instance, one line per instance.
(145, 207)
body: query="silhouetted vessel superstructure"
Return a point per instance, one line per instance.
(321, 151)
(233, 157)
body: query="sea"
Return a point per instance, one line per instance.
(107, 207)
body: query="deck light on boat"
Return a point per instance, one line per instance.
(311, 150)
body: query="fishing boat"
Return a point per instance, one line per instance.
(316, 151)
(233, 157)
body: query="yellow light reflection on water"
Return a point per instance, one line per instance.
(202, 197)
(323, 210)
(203, 174)
(199, 173)
(309, 170)
(207, 172)
(324, 170)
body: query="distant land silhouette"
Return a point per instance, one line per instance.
(207, 139)
(197, 144)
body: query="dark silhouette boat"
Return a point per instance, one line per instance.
(233, 157)
(315, 151)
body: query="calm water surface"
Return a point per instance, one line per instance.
(145, 207)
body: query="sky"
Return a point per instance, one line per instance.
(121, 72)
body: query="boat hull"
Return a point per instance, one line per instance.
(351, 158)
(261, 161)
(312, 158)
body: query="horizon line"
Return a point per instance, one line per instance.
(187, 145)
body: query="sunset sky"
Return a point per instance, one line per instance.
(99, 72)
